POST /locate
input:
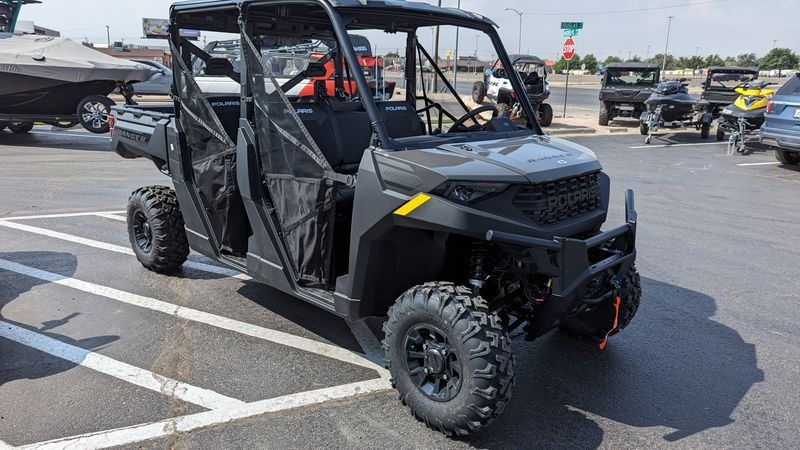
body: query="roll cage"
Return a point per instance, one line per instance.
(262, 17)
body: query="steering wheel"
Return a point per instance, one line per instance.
(459, 124)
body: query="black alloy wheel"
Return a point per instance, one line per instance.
(432, 365)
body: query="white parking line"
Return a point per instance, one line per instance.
(116, 248)
(112, 217)
(770, 163)
(73, 134)
(677, 145)
(125, 372)
(184, 424)
(278, 337)
(61, 215)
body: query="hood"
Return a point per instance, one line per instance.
(536, 158)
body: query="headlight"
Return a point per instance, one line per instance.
(468, 193)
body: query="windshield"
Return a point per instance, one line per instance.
(628, 77)
(727, 81)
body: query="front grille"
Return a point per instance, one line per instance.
(557, 201)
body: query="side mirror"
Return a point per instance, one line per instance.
(315, 69)
(162, 71)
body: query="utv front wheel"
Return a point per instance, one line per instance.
(449, 357)
(478, 92)
(547, 115)
(156, 230)
(595, 323)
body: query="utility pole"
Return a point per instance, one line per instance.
(697, 51)
(477, 37)
(108, 35)
(435, 84)
(666, 46)
(648, 52)
(520, 14)
(774, 43)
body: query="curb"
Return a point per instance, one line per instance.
(579, 130)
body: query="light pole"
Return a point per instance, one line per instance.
(436, 55)
(520, 14)
(666, 46)
(774, 43)
(455, 57)
(648, 52)
(108, 35)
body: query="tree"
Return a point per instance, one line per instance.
(591, 63)
(574, 63)
(714, 60)
(779, 58)
(635, 58)
(747, 59)
(611, 60)
(659, 58)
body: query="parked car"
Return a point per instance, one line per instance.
(781, 128)
(159, 84)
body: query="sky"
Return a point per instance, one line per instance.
(725, 27)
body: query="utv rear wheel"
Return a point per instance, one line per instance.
(156, 230)
(644, 129)
(503, 110)
(787, 157)
(449, 357)
(546, 112)
(478, 92)
(595, 323)
(603, 118)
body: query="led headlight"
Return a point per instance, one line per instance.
(467, 193)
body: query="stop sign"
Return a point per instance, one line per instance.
(569, 49)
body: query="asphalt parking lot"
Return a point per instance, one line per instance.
(97, 351)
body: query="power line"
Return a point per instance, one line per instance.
(623, 11)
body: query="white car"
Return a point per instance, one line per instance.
(496, 86)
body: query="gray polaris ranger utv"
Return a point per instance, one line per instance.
(625, 87)
(459, 226)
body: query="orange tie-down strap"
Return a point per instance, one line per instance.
(617, 301)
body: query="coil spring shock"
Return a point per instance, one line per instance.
(477, 265)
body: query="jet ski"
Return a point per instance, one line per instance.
(671, 106)
(745, 115)
(56, 80)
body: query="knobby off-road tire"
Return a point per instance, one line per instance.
(547, 115)
(156, 230)
(604, 116)
(478, 92)
(476, 343)
(644, 129)
(787, 157)
(720, 133)
(593, 325)
(503, 110)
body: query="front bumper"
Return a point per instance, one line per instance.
(573, 264)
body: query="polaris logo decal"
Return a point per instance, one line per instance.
(396, 108)
(569, 199)
(225, 103)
